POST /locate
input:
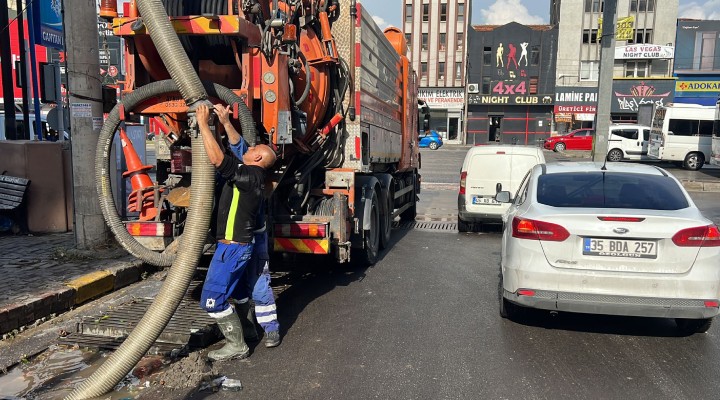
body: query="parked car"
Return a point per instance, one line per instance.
(579, 139)
(625, 239)
(431, 139)
(487, 170)
(628, 142)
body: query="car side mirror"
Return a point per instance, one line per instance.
(503, 197)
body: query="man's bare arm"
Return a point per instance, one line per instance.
(223, 114)
(212, 148)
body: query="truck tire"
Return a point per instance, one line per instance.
(369, 254)
(411, 212)
(694, 161)
(386, 220)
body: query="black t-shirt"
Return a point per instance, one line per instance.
(239, 200)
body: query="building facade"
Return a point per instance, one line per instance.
(643, 70)
(435, 31)
(511, 83)
(697, 66)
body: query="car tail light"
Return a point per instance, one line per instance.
(526, 292)
(538, 230)
(621, 219)
(700, 236)
(463, 181)
(308, 230)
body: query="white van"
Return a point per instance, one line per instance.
(682, 133)
(486, 171)
(628, 142)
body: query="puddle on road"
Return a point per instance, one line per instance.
(55, 373)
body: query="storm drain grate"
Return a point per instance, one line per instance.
(189, 328)
(427, 226)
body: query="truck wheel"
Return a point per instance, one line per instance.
(615, 155)
(369, 255)
(560, 147)
(386, 220)
(694, 161)
(411, 212)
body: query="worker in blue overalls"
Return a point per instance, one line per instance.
(257, 273)
(237, 210)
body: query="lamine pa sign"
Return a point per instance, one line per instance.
(644, 51)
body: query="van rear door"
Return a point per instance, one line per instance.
(486, 173)
(655, 144)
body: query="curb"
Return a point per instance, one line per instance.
(39, 308)
(701, 186)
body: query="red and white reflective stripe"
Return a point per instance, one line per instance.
(309, 230)
(162, 229)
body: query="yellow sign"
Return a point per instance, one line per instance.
(624, 30)
(697, 86)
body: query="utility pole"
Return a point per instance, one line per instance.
(6, 67)
(605, 81)
(86, 117)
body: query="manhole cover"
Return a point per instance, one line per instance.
(436, 226)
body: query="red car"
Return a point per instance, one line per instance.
(580, 139)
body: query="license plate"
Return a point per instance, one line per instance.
(484, 200)
(620, 248)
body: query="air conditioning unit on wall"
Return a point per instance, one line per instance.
(473, 88)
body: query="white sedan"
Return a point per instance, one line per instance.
(616, 239)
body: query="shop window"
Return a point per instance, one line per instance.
(424, 41)
(458, 70)
(426, 13)
(486, 85)
(533, 89)
(593, 6)
(534, 55)
(442, 41)
(443, 12)
(590, 36)
(441, 70)
(487, 56)
(636, 69)
(589, 70)
(642, 36)
(408, 12)
(461, 11)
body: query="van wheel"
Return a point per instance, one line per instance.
(560, 147)
(694, 161)
(615, 155)
(463, 226)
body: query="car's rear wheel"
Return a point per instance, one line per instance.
(690, 326)
(508, 309)
(694, 161)
(463, 226)
(560, 147)
(433, 146)
(615, 155)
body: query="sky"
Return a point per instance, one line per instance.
(499, 12)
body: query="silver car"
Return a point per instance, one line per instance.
(617, 239)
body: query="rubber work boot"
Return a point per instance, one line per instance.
(235, 347)
(272, 339)
(244, 310)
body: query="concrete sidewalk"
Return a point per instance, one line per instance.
(43, 276)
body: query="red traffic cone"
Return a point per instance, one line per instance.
(142, 197)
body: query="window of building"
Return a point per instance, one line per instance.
(459, 40)
(593, 6)
(458, 70)
(443, 12)
(590, 36)
(642, 36)
(408, 39)
(461, 11)
(589, 70)
(636, 69)
(642, 5)
(534, 55)
(442, 41)
(486, 85)
(424, 41)
(408, 12)
(487, 56)
(706, 41)
(441, 70)
(533, 89)
(423, 70)
(426, 12)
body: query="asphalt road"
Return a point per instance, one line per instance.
(423, 324)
